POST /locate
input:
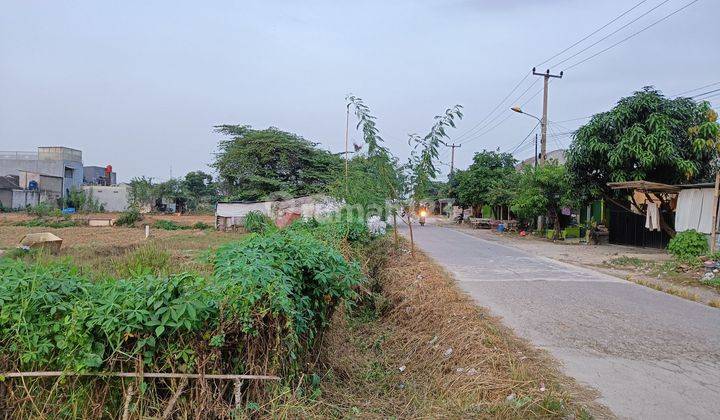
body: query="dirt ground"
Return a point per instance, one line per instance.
(110, 250)
(150, 218)
(647, 269)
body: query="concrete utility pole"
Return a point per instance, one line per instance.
(452, 158)
(543, 123)
(536, 156)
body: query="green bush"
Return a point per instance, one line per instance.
(688, 245)
(260, 311)
(169, 225)
(148, 259)
(257, 222)
(55, 224)
(202, 226)
(129, 217)
(44, 210)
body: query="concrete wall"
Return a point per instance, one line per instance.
(24, 198)
(49, 161)
(6, 198)
(51, 184)
(95, 174)
(114, 198)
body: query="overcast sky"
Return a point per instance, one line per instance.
(140, 84)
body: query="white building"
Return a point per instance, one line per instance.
(114, 199)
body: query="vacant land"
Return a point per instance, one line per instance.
(106, 250)
(414, 346)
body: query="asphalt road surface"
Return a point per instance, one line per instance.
(650, 355)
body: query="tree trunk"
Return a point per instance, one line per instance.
(395, 234)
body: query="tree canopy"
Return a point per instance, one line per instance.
(542, 191)
(199, 186)
(426, 152)
(254, 164)
(646, 136)
(486, 181)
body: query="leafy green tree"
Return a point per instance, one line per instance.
(484, 180)
(542, 191)
(141, 191)
(374, 178)
(199, 186)
(646, 136)
(253, 164)
(172, 189)
(426, 152)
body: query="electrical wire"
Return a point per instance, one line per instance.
(610, 34)
(696, 89)
(496, 117)
(705, 93)
(593, 33)
(496, 106)
(525, 139)
(633, 34)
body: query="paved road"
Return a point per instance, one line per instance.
(649, 354)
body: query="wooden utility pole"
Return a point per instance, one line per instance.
(347, 153)
(452, 156)
(543, 132)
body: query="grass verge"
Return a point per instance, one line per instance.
(420, 348)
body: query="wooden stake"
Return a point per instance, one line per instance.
(136, 375)
(716, 193)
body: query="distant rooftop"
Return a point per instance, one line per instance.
(45, 153)
(557, 155)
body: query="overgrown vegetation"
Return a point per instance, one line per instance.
(49, 223)
(255, 164)
(688, 245)
(169, 225)
(260, 311)
(258, 222)
(129, 217)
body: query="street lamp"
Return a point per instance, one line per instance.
(520, 111)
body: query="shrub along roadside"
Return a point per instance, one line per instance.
(260, 313)
(688, 245)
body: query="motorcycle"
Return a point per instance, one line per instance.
(423, 215)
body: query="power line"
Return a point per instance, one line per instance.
(705, 93)
(484, 129)
(634, 34)
(610, 34)
(496, 107)
(502, 121)
(525, 139)
(696, 89)
(495, 117)
(593, 33)
(572, 119)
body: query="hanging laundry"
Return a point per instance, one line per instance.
(652, 219)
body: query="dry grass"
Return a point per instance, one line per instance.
(715, 303)
(432, 353)
(112, 251)
(683, 293)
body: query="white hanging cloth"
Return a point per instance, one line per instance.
(652, 219)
